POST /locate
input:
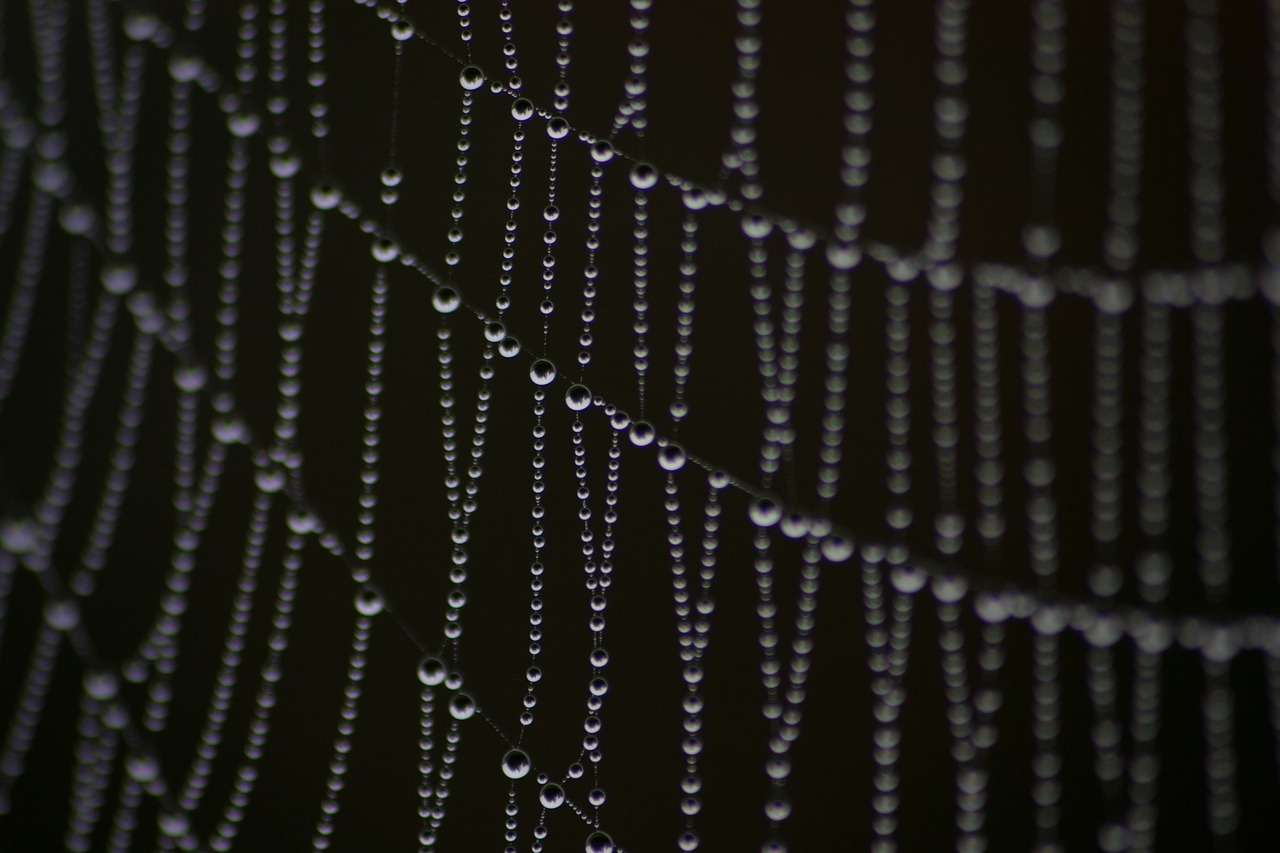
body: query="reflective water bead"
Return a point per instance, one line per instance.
(445, 300)
(577, 398)
(598, 842)
(494, 332)
(522, 109)
(325, 196)
(385, 250)
(542, 372)
(643, 176)
(402, 30)
(601, 151)
(516, 764)
(557, 128)
(462, 707)
(509, 347)
(471, 78)
(119, 278)
(836, 548)
(391, 177)
(551, 796)
(431, 671)
(671, 457)
(642, 433)
(368, 602)
(61, 614)
(764, 512)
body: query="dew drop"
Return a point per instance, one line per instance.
(431, 671)
(508, 347)
(764, 512)
(643, 176)
(385, 250)
(402, 30)
(601, 151)
(445, 300)
(516, 764)
(142, 768)
(522, 109)
(551, 796)
(671, 457)
(368, 602)
(494, 332)
(101, 685)
(325, 196)
(190, 377)
(557, 128)
(836, 548)
(471, 78)
(462, 707)
(598, 842)
(542, 372)
(642, 433)
(119, 278)
(578, 397)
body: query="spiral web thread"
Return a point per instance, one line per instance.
(829, 262)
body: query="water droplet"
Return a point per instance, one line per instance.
(119, 278)
(601, 151)
(462, 706)
(494, 332)
(557, 128)
(764, 512)
(843, 257)
(431, 671)
(142, 768)
(285, 166)
(836, 548)
(368, 602)
(385, 250)
(598, 842)
(671, 457)
(509, 347)
(643, 176)
(642, 433)
(230, 430)
(756, 226)
(522, 109)
(174, 824)
(243, 124)
(551, 796)
(516, 764)
(719, 479)
(62, 614)
(18, 535)
(578, 397)
(391, 177)
(402, 30)
(301, 522)
(101, 685)
(190, 377)
(471, 78)
(325, 196)
(794, 525)
(445, 300)
(542, 372)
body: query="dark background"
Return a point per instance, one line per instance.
(691, 67)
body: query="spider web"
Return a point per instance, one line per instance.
(950, 499)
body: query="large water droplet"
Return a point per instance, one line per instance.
(643, 176)
(471, 78)
(542, 372)
(462, 706)
(598, 842)
(551, 796)
(522, 109)
(671, 457)
(431, 671)
(445, 300)
(368, 602)
(578, 397)
(516, 764)
(764, 512)
(642, 433)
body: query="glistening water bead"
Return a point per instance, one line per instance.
(516, 764)
(578, 398)
(445, 300)
(542, 372)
